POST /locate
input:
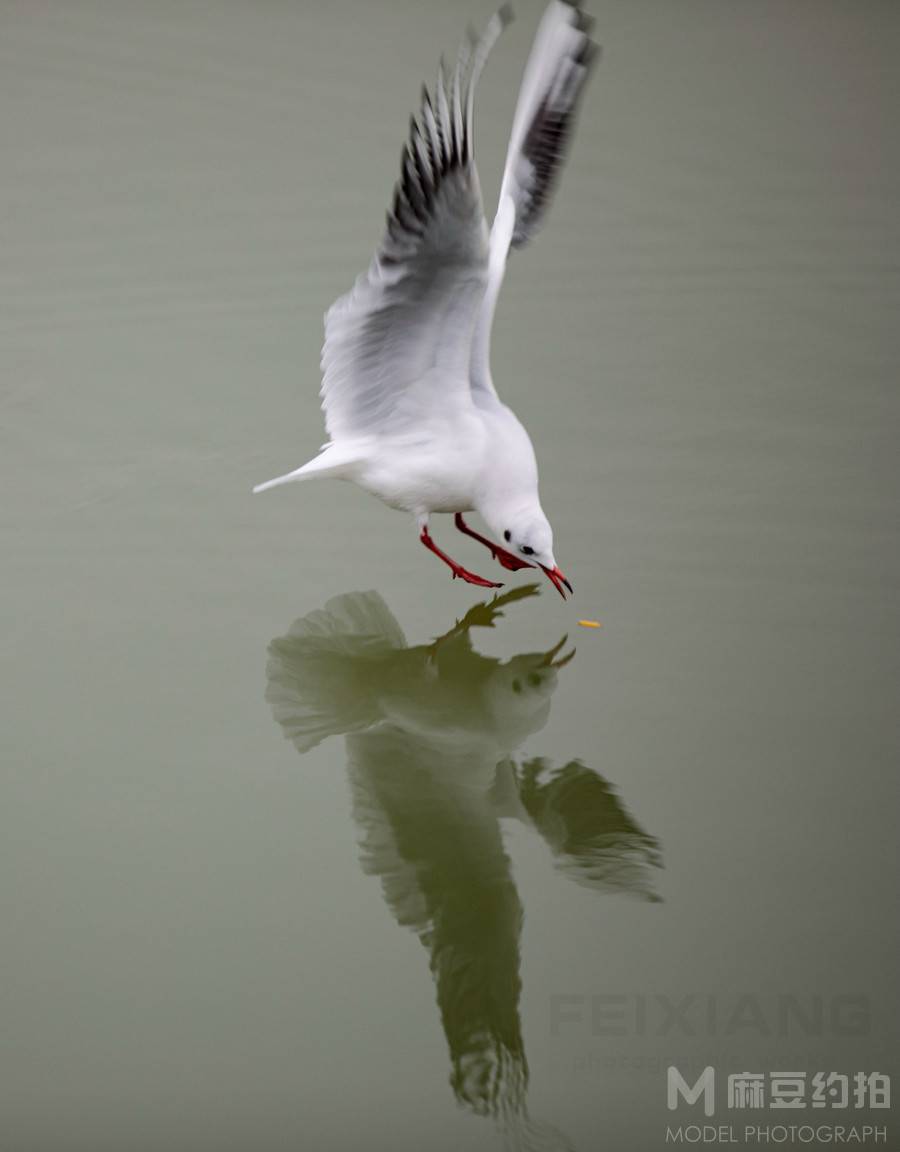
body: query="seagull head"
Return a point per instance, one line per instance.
(526, 531)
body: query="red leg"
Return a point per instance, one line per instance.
(507, 559)
(456, 569)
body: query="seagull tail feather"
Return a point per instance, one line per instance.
(328, 463)
(297, 474)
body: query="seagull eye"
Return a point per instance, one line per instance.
(507, 535)
(527, 549)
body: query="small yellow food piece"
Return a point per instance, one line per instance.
(590, 623)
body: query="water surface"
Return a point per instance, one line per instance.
(397, 938)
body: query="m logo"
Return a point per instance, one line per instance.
(706, 1085)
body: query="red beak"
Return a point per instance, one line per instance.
(555, 575)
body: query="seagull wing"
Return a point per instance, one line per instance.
(399, 343)
(552, 86)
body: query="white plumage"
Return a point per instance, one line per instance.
(409, 402)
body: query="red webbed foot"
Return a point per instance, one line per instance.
(456, 569)
(509, 561)
(472, 578)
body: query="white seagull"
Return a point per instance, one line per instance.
(410, 407)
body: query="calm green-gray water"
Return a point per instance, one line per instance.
(305, 844)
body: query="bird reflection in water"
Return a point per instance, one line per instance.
(430, 734)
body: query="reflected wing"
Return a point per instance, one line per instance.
(552, 85)
(593, 837)
(436, 846)
(400, 341)
(320, 676)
